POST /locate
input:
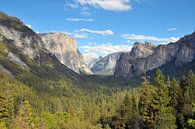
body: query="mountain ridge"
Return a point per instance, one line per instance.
(21, 46)
(181, 51)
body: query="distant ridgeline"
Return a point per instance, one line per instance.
(174, 59)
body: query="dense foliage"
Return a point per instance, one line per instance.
(164, 104)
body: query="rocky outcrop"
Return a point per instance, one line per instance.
(24, 38)
(179, 52)
(15, 59)
(22, 50)
(141, 50)
(105, 65)
(4, 70)
(65, 49)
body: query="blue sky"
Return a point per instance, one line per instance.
(105, 26)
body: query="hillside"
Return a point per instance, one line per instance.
(22, 53)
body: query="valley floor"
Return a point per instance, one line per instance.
(60, 104)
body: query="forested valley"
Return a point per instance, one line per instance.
(165, 103)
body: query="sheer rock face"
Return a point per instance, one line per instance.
(31, 44)
(180, 52)
(105, 65)
(65, 49)
(186, 52)
(25, 49)
(124, 64)
(141, 50)
(23, 37)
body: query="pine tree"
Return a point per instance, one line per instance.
(134, 119)
(6, 109)
(162, 111)
(10, 108)
(188, 82)
(191, 83)
(4, 114)
(187, 107)
(177, 102)
(144, 106)
(188, 85)
(25, 117)
(123, 114)
(159, 79)
(174, 90)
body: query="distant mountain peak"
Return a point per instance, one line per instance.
(146, 44)
(141, 50)
(105, 65)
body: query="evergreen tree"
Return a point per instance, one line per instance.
(188, 84)
(10, 108)
(6, 109)
(159, 79)
(177, 102)
(174, 91)
(134, 120)
(123, 113)
(191, 84)
(164, 118)
(25, 118)
(4, 114)
(144, 106)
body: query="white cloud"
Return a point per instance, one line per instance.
(29, 26)
(148, 38)
(90, 52)
(100, 32)
(112, 5)
(76, 35)
(85, 33)
(80, 19)
(71, 5)
(172, 29)
(80, 36)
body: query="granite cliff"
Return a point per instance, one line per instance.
(23, 52)
(65, 49)
(141, 60)
(105, 65)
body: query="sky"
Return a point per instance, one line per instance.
(102, 27)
